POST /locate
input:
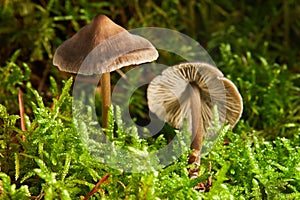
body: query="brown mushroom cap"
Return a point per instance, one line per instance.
(169, 95)
(102, 46)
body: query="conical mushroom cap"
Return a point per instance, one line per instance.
(169, 98)
(102, 46)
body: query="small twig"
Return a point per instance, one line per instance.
(96, 189)
(122, 184)
(205, 187)
(39, 197)
(209, 182)
(147, 190)
(122, 74)
(21, 108)
(52, 105)
(209, 179)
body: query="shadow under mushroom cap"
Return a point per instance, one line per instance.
(169, 95)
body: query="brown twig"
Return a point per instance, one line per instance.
(52, 105)
(147, 190)
(96, 189)
(122, 184)
(21, 108)
(205, 187)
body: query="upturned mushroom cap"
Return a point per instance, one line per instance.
(102, 46)
(169, 95)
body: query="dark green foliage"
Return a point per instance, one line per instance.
(11, 192)
(270, 92)
(255, 168)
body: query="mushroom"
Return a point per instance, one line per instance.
(190, 91)
(99, 48)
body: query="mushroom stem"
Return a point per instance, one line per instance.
(106, 101)
(197, 123)
(197, 129)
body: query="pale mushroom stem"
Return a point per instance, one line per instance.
(106, 97)
(197, 130)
